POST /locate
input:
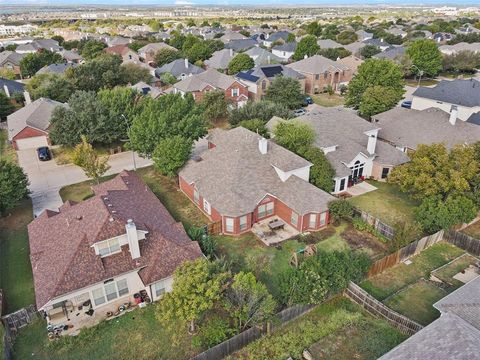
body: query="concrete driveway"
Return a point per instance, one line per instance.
(46, 177)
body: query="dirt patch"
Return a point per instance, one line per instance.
(358, 240)
(316, 237)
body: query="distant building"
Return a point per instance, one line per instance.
(12, 30)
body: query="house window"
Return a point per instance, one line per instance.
(207, 207)
(111, 291)
(243, 223)
(342, 185)
(265, 210)
(385, 172)
(325, 75)
(294, 218)
(312, 221)
(317, 76)
(160, 288)
(264, 85)
(196, 196)
(98, 296)
(323, 219)
(357, 170)
(229, 225)
(108, 247)
(235, 92)
(122, 286)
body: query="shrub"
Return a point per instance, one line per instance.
(263, 110)
(362, 225)
(207, 243)
(340, 209)
(212, 332)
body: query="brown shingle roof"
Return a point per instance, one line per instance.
(61, 252)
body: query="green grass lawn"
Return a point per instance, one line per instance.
(328, 100)
(423, 82)
(473, 230)
(338, 330)
(415, 302)
(387, 203)
(135, 335)
(63, 154)
(7, 152)
(15, 269)
(391, 280)
(447, 272)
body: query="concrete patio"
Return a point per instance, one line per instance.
(272, 237)
(360, 189)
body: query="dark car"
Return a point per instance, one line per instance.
(407, 104)
(44, 153)
(307, 101)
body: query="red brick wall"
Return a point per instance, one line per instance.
(242, 90)
(188, 190)
(28, 132)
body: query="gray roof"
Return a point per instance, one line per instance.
(354, 47)
(177, 68)
(288, 47)
(391, 53)
(36, 45)
(210, 77)
(317, 64)
(241, 45)
(36, 115)
(261, 56)
(458, 92)
(268, 71)
(154, 47)
(328, 44)
(12, 86)
(220, 59)
(234, 176)
(55, 68)
(71, 55)
(410, 128)
(10, 56)
(279, 35)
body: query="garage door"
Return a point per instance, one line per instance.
(31, 143)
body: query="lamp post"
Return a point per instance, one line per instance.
(128, 134)
(420, 73)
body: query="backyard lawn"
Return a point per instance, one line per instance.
(387, 203)
(15, 270)
(423, 82)
(336, 330)
(473, 230)
(328, 100)
(6, 151)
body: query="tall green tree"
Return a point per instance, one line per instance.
(306, 46)
(52, 86)
(215, 105)
(240, 62)
(377, 99)
(171, 154)
(102, 72)
(13, 185)
(263, 110)
(294, 136)
(31, 63)
(6, 107)
(132, 73)
(92, 48)
(346, 37)
(170, 115)
(321, 172)
(368, 51)
(425, 56)
(285, 91)
(88, 159)
(165, 56)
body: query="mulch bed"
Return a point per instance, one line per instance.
(357, 239)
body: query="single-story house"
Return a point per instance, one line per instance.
(56, 68)
(10, 87)
(180, 68)
(127, 54)
(261, 56)
(37, 45)
(243, 179)
(28, 126)
(220, 59)
(119, 246)
(241, 45)
(285, 51)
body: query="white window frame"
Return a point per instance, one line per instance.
(266, 209)
(314, 217)
(111, 292)
(229, 224)
(112, 245)
(207, 207)
(119, 291)
(122, 290)
(323, 219)
(160, 288)
(243, 222)
(294, 218)
(103, 298)
(235, 92)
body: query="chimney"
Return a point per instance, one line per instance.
(132, 238)
(453, 115)
(27, 97)
(231, 52)
(5, 88)
(186, 63)
(372, 143)
(305, 56)
(263, 145)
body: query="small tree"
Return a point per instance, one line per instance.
(294, 136)
(340, 209)
(255, 125)
(87, 158)
(215, 105)
(8, 74)
(263, 110)
(240, 62)
(171, 154)
(249, 301)
(346, 37)
(165, 56)
(195, 290)
(377, 99)
(368, 51)
(404, 233)
(307, 46)
(285, 91)
(322, 172)
(13, 185)
(168, 79)
(6, 107)
(92, 48)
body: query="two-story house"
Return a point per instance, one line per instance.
(10, 60)
(127, 54)
(93, 259)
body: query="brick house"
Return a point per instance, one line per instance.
(127, 54)
(210, 80)
(243, 179)
(148, 52)
(319, 72)
(10, 60)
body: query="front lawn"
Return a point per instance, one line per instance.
(63, 154)
(338, 329)
(15, 270)
(387, 203)
(423, 82)
(328, 100)
(7, 152)
(135, 335)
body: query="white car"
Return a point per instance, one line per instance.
(299, 112)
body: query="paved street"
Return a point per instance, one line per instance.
(46, 178)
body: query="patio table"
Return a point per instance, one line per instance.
(276, 224)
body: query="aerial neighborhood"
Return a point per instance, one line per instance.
(223, 182)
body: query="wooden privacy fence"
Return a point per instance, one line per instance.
(463, 241)
(378, 309)
(404, 253)
(384, 229)
(246, 337)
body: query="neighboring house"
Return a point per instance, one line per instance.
(392, 53)
(180, 68)
(261, 56)
(354, 47)
(117, 40)
(127, 54)
(467, 29)
(147, 52)
(279, 36)
(71, 56)
(383, 45)
(220, 59)
(210, 80)
(352, 62)
(363, 35)
(241, 45)
(28, 127)
(89, 258)
(463, 46)
(454, 335)
(397, 32)
(285, 51)
(328, 44)
(10, 87)
(243, 179)
(442, 38)
(320, 72)
(231, 35)
(10, 60)
(408, 128)
(462, 96)
(350, 145)
(37, 45)
(145, 89)
(55, 68)
(259, 78)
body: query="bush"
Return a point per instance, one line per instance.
(212, 332)
(340, 209)
(263, 110)
(207, 243)
(255, 125)
(361, 225)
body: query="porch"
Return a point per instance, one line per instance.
(271, 235)
(360, 188)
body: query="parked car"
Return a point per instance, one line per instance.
(44, 153)
(407, 104)
(307, 101)
(299, 112)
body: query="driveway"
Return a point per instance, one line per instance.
(46, 178)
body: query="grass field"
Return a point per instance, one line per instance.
(6, 151)
(387, 203)
(328, 100)
(447, 272)
(336, 330)
(15, 269)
